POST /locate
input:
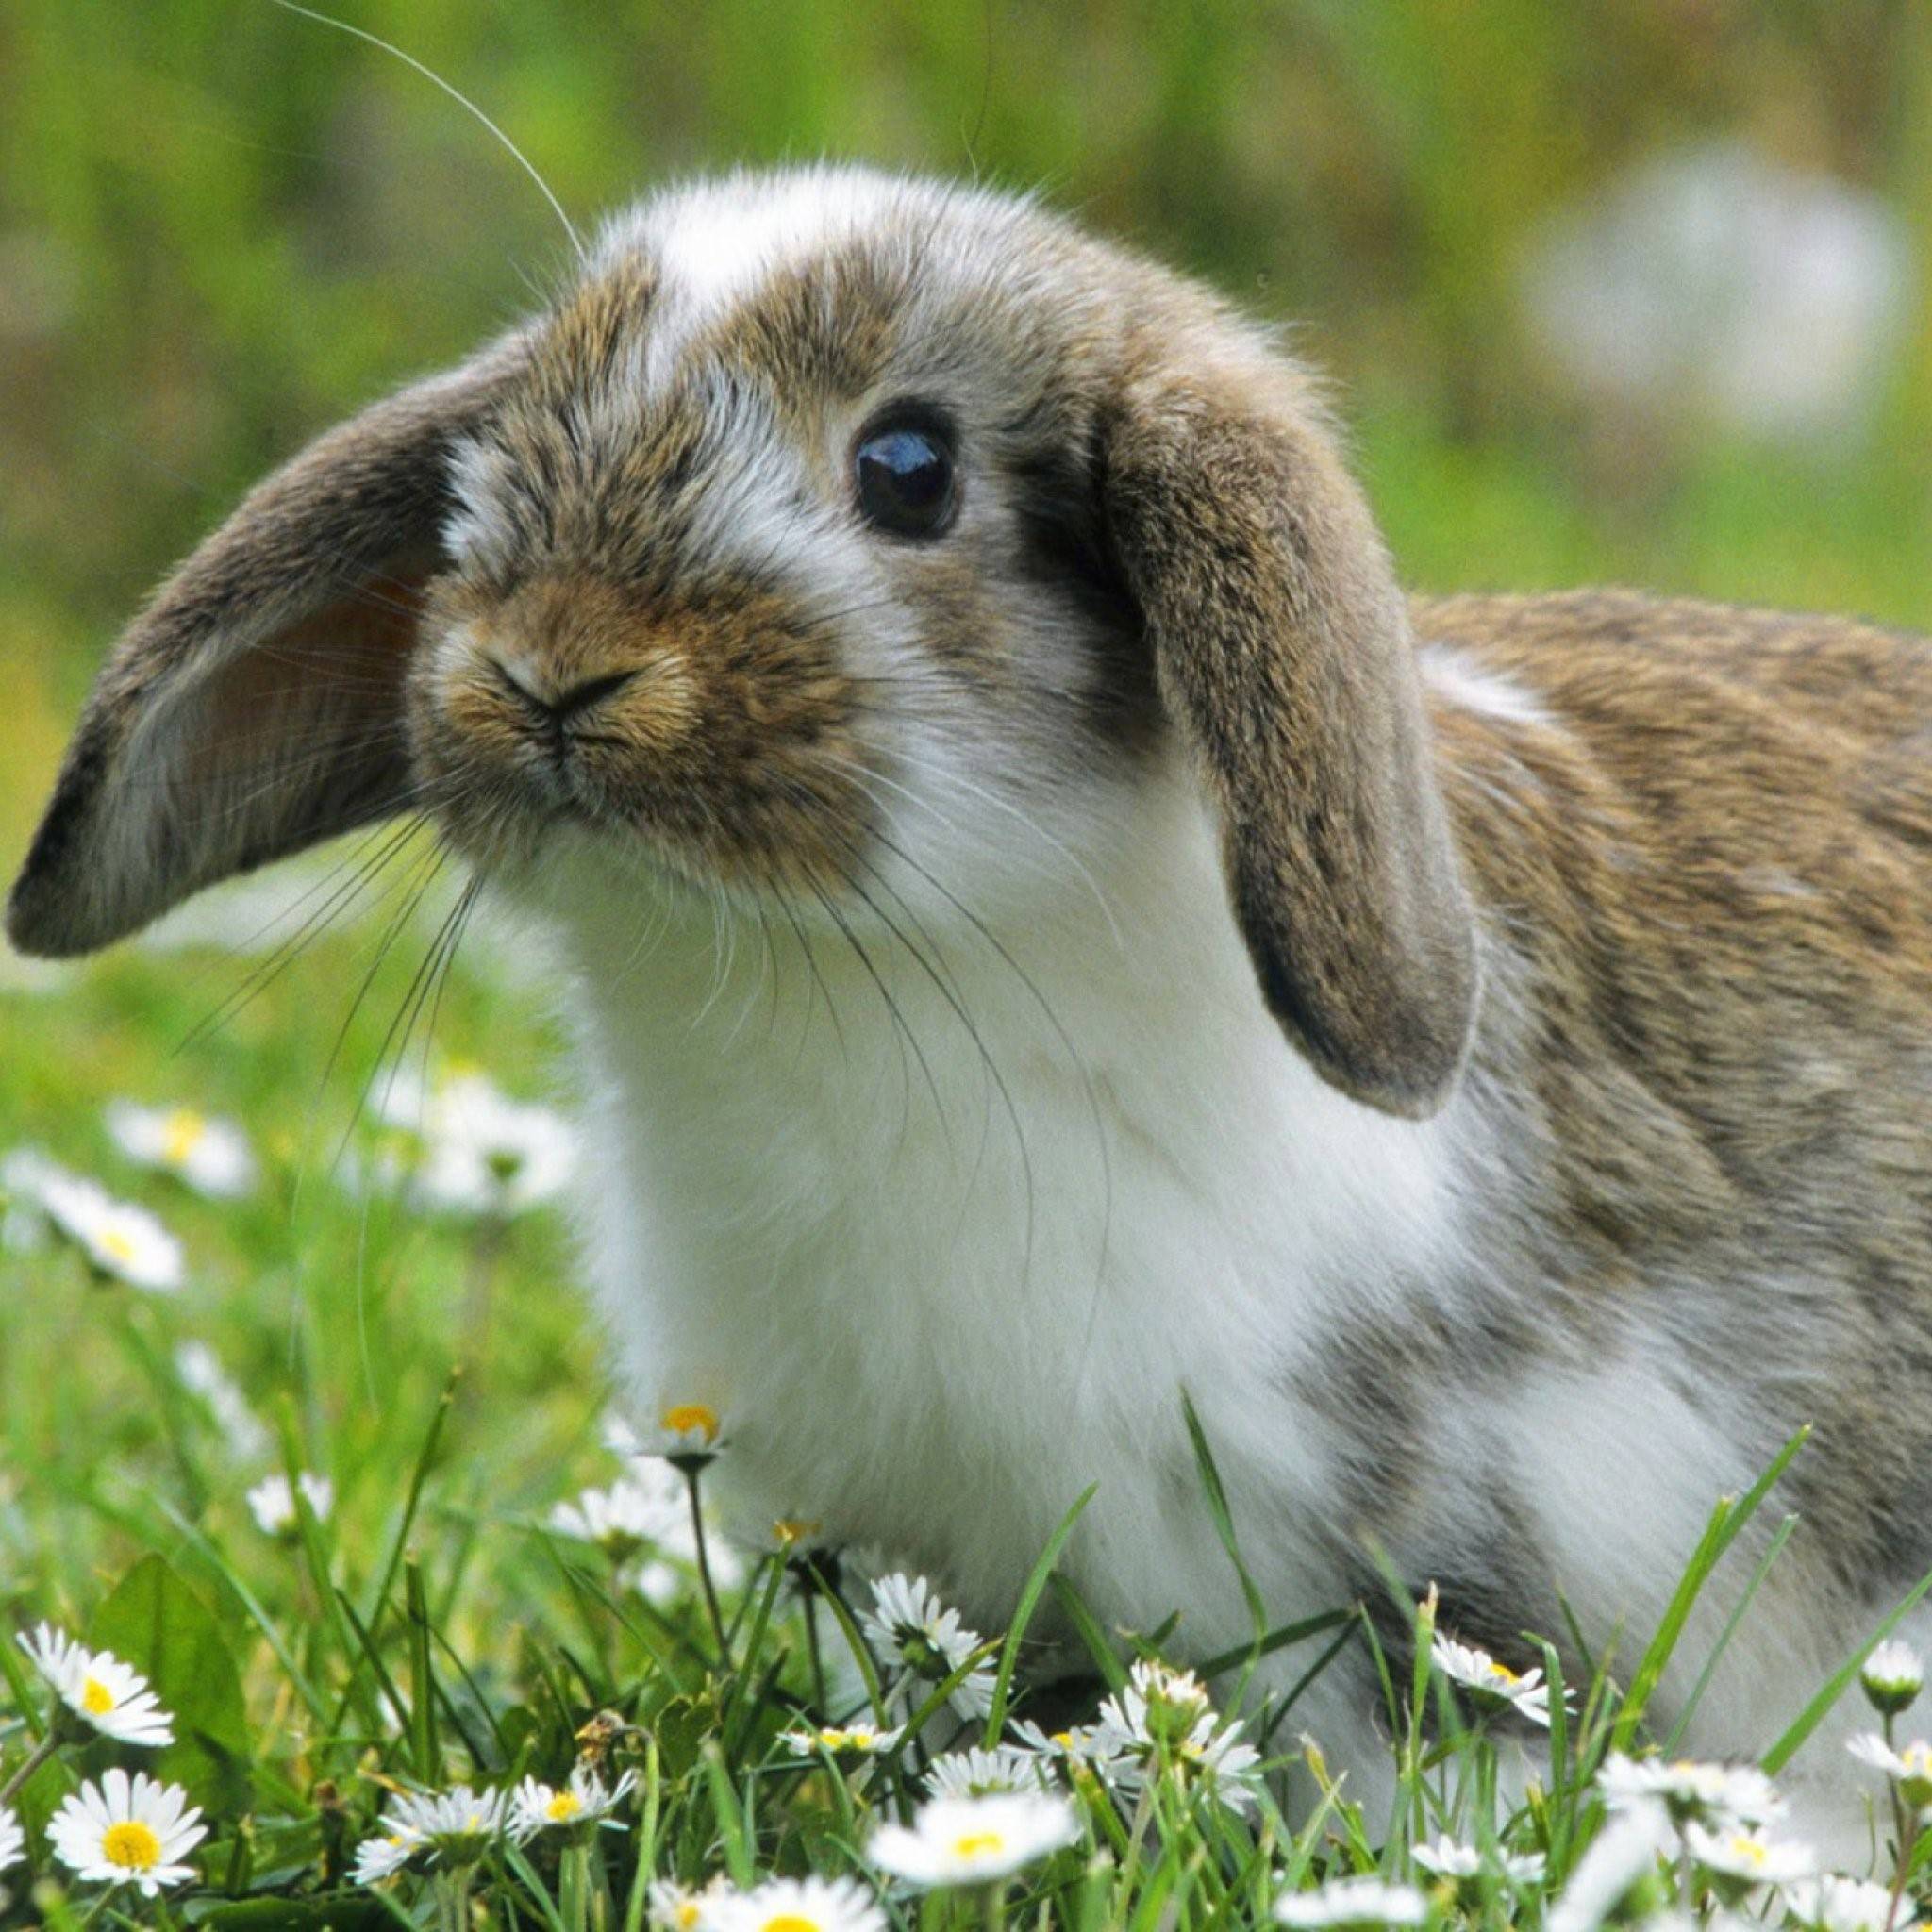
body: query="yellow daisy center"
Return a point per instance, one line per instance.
(563, 1807)
(685, 1416)
(131, 1845)
(686, 1914)
(118, 1243)
(790, 1922)
(181, 1133)
(787, 1530)
(95, 1698)
(1503, 1674)
(1748, 1849)
(976, 1845)
(1064, 1739)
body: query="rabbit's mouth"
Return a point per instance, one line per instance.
(721, 734)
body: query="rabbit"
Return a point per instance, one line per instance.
(1050, 926)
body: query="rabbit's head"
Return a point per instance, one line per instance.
(829, 527)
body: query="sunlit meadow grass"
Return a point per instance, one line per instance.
(429, 1623)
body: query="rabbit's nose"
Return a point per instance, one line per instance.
(554, 706)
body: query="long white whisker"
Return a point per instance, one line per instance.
(461, 99)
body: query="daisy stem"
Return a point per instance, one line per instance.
(31, 1763)
(697, 1530)
(1901, 1830)
(570, 1888)
(818, 1661)
(995, 1905)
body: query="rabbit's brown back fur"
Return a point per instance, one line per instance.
(1706, 873)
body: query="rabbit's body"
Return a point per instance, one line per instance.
(1522, 1346)
(1051, 927)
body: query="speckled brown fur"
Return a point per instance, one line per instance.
(1710, 870)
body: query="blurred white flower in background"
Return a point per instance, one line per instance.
(212, 1156)
(1849, 1904)
(119, 1240)
(1711, 280)
(203, 1375)
(480, 1152)
(625, 1519)
(272, 1502)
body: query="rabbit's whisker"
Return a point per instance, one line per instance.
(461, 99)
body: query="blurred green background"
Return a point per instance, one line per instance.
(223, 224)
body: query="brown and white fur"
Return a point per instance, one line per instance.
(1479, 1049)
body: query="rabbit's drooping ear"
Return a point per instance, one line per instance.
(255, 705)
(1282, 649)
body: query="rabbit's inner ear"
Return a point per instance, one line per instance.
(256, 704)
(236, 755)
(298, 737)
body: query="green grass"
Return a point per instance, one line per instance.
(433, 1630)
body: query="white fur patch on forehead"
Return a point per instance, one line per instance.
(715, 242)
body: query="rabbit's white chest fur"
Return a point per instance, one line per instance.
(781, 1226)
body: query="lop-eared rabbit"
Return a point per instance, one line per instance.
(1051, 925)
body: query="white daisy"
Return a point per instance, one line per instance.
(1344, 1902)
(483, 1153)
(1085, 1746)
(1214, 1758)
(1832, 1904)
(97, 1687)
(12, 1840)
(377, 1859)
(1712, 1794)
(585, 1800)
(272, 1502)
(1155, 1703)
(798, 1905)
(118, 1239)
(970, 1841)
(1622, 1855)
(687, 1434)
(842, 1740)
(203, 1375)
(24, 1175)
(1493, 1685)
(623, 1519)
(125, 1831)
(1738, 1851)
(976, 1773)
(1909, 1766)
(212, 1156)
(1163, 1717)
(1893, 1677)
(925, 1644)
(675, 1907)
(458, 1824)
(1446, 1858)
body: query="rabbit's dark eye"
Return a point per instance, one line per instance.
(903, 471)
